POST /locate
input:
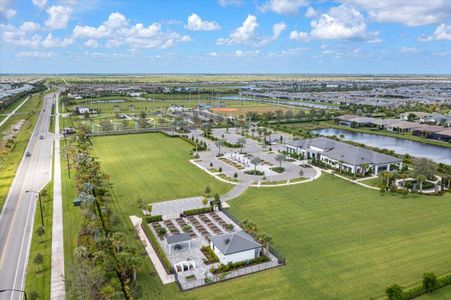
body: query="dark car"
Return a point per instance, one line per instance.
(28, 154)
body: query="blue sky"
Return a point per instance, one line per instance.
(225, 36)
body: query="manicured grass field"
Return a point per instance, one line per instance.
(341, 240)
(152, 167)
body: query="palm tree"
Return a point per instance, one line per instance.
(219, 144)
(265, 240)
(253, 131)
(241, 142)
(38, 260)
(255, 161)
(118, 240)
(403, 176)
(421, 179)
(364, 168)
(280, 158)
(249, 226)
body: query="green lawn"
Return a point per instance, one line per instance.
(153, 167)
(341, 240)
(441, 294)
(38, 277)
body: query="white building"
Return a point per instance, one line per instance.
(235, 247)
(349, 158)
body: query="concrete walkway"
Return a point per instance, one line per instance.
(165, 278)
(350, 180)
(57, 287)
(13, 112)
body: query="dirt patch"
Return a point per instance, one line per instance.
(12, 131)
(224, 109)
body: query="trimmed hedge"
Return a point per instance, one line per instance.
(151, 219)
(419, 290)
(197, 211)
(160, 253)
(238, 265)
(209, 254)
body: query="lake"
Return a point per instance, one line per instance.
(402, 146)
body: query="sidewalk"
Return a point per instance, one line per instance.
(165, 278)
(57, 287)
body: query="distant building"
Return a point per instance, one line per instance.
(82, 110)
(235, 247)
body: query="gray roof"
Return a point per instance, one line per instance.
(229, 243)
(344, 152)
(177, 238)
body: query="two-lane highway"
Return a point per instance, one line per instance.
(17, 216)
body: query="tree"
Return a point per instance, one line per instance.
(394, 292)
(255, 161)
(219, 144)
(249, 226)
(38, 260)
(429, 281)
(40, 231)
(421, 179)
(281, 158)
(207, 190)
(205, 201)
(265, 240)
(118, 239)
(241, 142)
(424, 166)
(128, 265)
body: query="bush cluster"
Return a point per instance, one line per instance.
(151, 219)
(197, 211)
(209, 254)
(238, 265)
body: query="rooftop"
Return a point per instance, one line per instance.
(229, 243)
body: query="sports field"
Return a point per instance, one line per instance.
(341, 241)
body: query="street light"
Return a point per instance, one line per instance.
(14, 290)
(40, 205)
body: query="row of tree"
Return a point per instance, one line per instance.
(103, 265)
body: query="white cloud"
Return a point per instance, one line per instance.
(230, 2)
(213, 54)
(91, 43)
(342, 22)
(35, 54)
(52, 42)
(408, 50)
(58, 17)
(299, 36)
(441, 33)
(244, 34)
(195, 23)
(408, 12)
(29, 26)
(5, 10)
(40, 3)
(310, 12)
(277, 29)
(20, 37)
(240, 53)
(283, 6)
(118, 32)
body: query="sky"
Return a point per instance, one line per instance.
(226, 36)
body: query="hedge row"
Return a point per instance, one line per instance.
(151, 219)
(419, 290)
(238, 265)
(160, 253)
(197, 211)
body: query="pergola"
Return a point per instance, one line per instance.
(178, 239)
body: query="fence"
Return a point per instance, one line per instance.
(189, 284)
(139, 130)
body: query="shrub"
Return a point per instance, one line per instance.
(220, 169)
(151, 219)
(161, 231)
(394, 292)
(429, 281)
(229, 226)
(160, 253)
(197, 211)
(238, 265)
(255, 172)
(186, 228)
(210, 255)
(278, 169)
(235, 175)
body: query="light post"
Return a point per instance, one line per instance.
(40, 205)
(14, 290)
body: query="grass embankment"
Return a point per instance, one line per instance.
(10, 159)
(38, 276)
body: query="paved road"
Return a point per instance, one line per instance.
(17, 216)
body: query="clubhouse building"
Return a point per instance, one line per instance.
(352, 159)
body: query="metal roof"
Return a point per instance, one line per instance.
(229, 243)
(178, 238)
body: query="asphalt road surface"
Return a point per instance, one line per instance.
(17, 216)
